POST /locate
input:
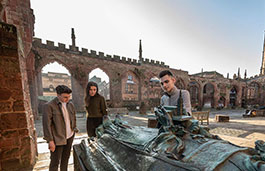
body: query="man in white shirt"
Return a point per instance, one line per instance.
(171, 96)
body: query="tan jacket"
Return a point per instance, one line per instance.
(53, 121)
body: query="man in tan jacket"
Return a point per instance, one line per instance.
(59, 127)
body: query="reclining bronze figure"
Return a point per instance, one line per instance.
(179, 143)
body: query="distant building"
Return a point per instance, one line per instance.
(104, 89)
(95, 79)
(130, 85)
(51, 80)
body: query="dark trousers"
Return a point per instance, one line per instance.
(61, 155)
(91, 125)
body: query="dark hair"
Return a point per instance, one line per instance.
(90, 84)
(60, 89)
(165, 72)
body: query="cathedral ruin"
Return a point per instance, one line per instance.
(132, 82)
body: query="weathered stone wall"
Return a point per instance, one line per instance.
(81, 63)
(18, 146)
(17, 133)
(222, 88)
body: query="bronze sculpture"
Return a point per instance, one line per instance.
(179, 144)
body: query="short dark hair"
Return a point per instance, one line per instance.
(165, 72)
(60, 89)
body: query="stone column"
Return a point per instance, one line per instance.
(18, 146)
(78, 94)
(39, 85)
(143, 96)
(115, 91)
(239, 97)
(228, 97)
(33, 84)
(201, 97)
(33, 93)
(216, 96)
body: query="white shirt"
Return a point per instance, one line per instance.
(69, 131)
(173, 99)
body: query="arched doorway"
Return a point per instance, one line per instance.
(51, 75)
(102, 79)
(233, 97)
(208, 95)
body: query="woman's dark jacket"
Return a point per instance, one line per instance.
(97, 107)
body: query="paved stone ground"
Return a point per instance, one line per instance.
(240, 131)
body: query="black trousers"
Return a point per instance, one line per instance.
(91, 125)
(61, 155)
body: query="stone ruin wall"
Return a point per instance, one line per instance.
(81, 63)
(18, 148)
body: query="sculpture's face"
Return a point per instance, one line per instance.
(167, 83)
(92, 90)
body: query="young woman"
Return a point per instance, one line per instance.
(95, 107)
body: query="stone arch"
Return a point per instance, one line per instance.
(78, 79)
(47, 82)
(233, 96)
(194, 88)
(111, 76)
(46, 61)
(209, 93)
(103, 68)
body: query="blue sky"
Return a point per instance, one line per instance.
(216, 35)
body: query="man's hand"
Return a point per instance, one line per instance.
(76, 130)
(52, 146)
